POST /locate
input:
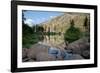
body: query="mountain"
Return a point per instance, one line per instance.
(62, 23)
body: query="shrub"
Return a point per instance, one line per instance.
(72, 33)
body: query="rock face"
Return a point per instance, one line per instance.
(61, 23)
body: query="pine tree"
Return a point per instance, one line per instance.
(86, 23)
(23, 17)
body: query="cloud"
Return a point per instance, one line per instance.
(52, 16)
(29, 22)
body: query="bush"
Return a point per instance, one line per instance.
(29, 40)
(31, 37)
(26, 29)
(72, 34)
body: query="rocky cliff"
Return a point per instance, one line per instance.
(62, 22)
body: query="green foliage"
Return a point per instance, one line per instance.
(51, 33)
(26, 29)
(30, 36)
(87, 24)
(37, 28)
(72, 34)
(31, 39)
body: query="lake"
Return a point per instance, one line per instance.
(53, 40)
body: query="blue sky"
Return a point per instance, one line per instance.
(37, 17)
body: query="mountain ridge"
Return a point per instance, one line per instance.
(62, 22)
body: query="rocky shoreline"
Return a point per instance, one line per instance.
(77, 50)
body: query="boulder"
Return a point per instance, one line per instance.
(86, 54)
(76, 57)
(24, 52)
(73, 57)
(79, 46)
(36, 49)
(45, 57)
(56, 52)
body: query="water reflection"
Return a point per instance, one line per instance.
(53, 40)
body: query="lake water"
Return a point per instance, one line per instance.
(53, 40)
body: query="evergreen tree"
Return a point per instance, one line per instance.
(86, 24)
(23, 17)
(72, 23)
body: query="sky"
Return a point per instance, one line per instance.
(37, 17)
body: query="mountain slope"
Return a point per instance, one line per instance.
(61, 23)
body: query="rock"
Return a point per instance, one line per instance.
(61, 46)
(45, 57)
(25, 59)
(53, 50)
(74, 48)
(79, 46)
(24, 52)
(36, 49)
(67, 56)
(31, 60)
(57, 53)
(73, 57)
(76, 57)
(28, 60)
(86, 54)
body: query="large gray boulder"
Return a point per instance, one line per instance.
(36, 49)
(45, 57)
(81, 46)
